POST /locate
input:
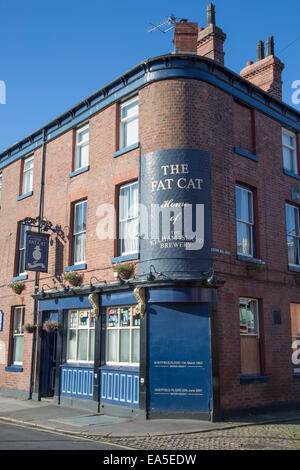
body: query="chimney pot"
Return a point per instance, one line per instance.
(260, 51)
(270, 46)
(249, 63)
(211, 14)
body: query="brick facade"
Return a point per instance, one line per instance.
(174, 113)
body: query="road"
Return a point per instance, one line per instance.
(16, 437)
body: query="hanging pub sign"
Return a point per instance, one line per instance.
(36, 257)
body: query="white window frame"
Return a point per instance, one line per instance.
(18, 335)
(293, 163)
(79, 145)
(297, 235)
(126, 120)
(247, 300)
(76, 329)
(77, 234)
(123, 221)
(119, 328)
(250, 224)
(22, 249)
(26, 172)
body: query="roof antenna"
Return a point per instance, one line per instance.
(169, 21)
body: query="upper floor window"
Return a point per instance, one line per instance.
(81, 335)
(289, 151)
(18, 335)
(21, 248)
(293, 233)
(129, 123)
(79, 232)
(27, 183)
(245, 221)
(128, 219)
(82, 148)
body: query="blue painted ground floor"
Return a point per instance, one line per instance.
(133, 351)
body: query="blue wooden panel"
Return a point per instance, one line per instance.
(77, 382)
(119, 387)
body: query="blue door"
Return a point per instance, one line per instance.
(49, 358)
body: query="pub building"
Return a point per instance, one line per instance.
(150, 242)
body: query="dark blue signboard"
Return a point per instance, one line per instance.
(37, 246)
(1, 320)
(175, 213)
(179, 358)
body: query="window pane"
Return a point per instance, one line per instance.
(293, 250)
(124, 317)
(129, 110)
(79, 248)
(292, 220)
(73, 319)
(28, 163)
(125, 346)
(83, 135)
(82, 156)
(83, 319)
(18, 348)
(131, 132)
(27, 181)
(124, 202)
(92, 345)
(82, 345)
(113, 317)
(244, 239)
(78, 218)
(72, 345)
(288, 139)
(136, 345)
(112, 348)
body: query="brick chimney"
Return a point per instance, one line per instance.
(185, 36)
(266, 71)
(211, 38)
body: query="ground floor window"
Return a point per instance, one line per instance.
(18, 335)
(250, 338)
(123, 335)
(295, 327)
(81, 336)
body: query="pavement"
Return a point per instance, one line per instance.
(45, 415)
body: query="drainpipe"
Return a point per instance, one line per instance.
(37, 274)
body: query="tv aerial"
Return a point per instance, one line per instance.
(165, 26)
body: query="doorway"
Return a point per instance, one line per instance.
(49, 357)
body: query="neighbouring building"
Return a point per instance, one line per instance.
(189, 172)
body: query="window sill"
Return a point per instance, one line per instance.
(247, 379)
(126, 149)
(79, 171)
(246, 154)
(14, 368)
(76, 267)
(291, 173)
(250, 259)
(21, 277)
(120, 259)
(294, 268)
(78, 365)
(24, 196)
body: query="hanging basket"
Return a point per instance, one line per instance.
(50, 326)
(125, 271)
(30, 327)
(17, 287)
(74, 278)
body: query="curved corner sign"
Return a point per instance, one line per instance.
(37, 247)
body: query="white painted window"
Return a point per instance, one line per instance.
(79, 232)
(28, 175)
(82, 148)
(18, 335)
(128, 219)
(81, 336)
(123, 335)
(289, 151)
(129, 123)
(293, 234)
(245, 221)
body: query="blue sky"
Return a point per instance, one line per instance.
(54, 54)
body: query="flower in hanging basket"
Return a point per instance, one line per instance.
(30, 327)
(125, 270)
(50, 326)
(74, 278)
(17, 287)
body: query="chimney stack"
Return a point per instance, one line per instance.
(185, 37)
(211, 38)
(266, 71)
